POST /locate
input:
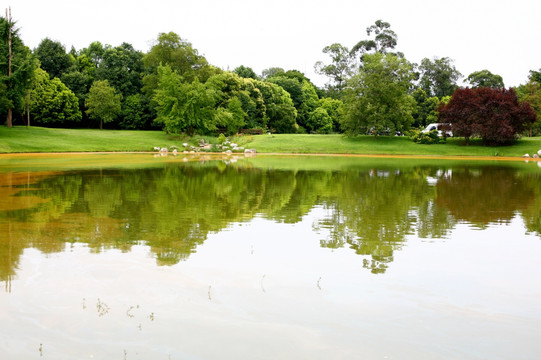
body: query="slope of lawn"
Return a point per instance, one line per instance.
(36, 139)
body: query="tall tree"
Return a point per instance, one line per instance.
(122, 67)
(377, 98)
(438, 77)
(103, 102)
(245, 72)
(531, 93)
(53, 57)
(485, 78)
(384, 40)
(16, 67)
(339, 70)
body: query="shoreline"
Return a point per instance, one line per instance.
(383, 156)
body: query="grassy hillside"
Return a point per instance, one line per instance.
(36, 139)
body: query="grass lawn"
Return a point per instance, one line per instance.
(36, 139)
(385, 145)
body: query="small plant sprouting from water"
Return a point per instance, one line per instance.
(40, 349)
(151, 316)
(210, 297)
(262, 287)
(102, 308)
(84, 304)
(128, 312)
(318, 283)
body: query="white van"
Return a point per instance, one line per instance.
(439, 127)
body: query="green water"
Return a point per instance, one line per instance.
(143, 257)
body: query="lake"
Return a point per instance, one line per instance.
(117, 256)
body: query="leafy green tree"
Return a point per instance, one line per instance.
(245, 72)
(135, 113)
(103, 102)
(339, 70)
(170, 49)
(52, 102)
(438, 77)
(485, 78)
(319, 121)
(122, 67)
(184, 107)
(53, 57)
(384, 40)
(17, 67)
(335, 109)
(531, 94)
(271, 72)
(280, 111)
(535, 76)
(378, 98)
(426, 109)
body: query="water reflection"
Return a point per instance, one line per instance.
(370, 207)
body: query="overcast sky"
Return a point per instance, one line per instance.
(501, 36)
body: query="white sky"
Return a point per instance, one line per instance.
(501, 36)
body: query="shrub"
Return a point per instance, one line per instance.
(430, 137)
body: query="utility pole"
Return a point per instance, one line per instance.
(10, 56)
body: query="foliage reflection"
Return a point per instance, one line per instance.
(173, 208)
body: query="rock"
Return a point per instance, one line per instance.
(526, 155)
(164, 150)
(174, 151)
(202, 141)
(535, 156)
(157, 148)
(229, 152)
(185, 144)
(233, 145)
(206, 147)
(539, 152)
(250, 151)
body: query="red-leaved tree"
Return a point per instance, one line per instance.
(495, 115)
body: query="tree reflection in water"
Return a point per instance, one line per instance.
(173, 208)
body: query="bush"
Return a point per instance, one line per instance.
(430, 137)
(221, 139)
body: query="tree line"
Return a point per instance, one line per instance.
(371, 89)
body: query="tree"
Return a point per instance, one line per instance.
(384, 40)
(531, 93)
(170, 49)
(426, 109)
(122, 67)
(319, 121)
(245, 72)
(280, 111)
(339, 70)
(103, 102)
(485, 78)
(272, 71)
(335, 109)
(53, 57)
(377, 98)
(438, 77)
(493, 114)
(16, 68)
(182, 106)
(52, 102)
(134, 112)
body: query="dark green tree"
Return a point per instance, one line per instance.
(16, 69)
(53, 57)
(438, 77)
(245, 72)
(485, 78)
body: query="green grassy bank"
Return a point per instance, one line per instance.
(36, 139)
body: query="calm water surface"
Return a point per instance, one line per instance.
(137, 257)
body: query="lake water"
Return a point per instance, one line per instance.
(143, 257)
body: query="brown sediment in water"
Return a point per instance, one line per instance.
(386, 156)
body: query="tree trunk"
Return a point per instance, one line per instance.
(9, 119)
(101, 124)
